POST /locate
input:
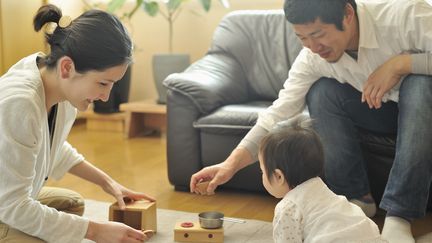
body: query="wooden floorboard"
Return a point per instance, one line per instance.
(140, 164)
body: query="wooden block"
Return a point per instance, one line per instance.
(139, 215)
(201, 187)
(197, 234)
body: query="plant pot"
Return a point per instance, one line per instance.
(119, 94)
(164, 65)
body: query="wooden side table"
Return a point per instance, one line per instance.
(113, 122)
(143, 115)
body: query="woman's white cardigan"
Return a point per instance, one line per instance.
(26, 158)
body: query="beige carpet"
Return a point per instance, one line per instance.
(253, 231)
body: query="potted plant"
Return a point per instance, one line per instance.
(163, 64)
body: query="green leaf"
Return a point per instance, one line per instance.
(206, 4)
(135, 8)
(173, 4)
(113, 5)
(151, 8)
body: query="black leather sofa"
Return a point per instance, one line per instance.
(214, 103)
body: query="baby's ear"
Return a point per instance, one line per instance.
(279, 177)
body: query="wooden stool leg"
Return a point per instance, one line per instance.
(132, 123)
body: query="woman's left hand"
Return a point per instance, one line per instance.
(92, 174)
(122, 193)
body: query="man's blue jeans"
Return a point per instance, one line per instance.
(338, 113)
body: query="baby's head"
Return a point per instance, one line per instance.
(290, 154)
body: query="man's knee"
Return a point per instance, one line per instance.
(321, 88)
(416, 90)
(322, 92)
(62, 199)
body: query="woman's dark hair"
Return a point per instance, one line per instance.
(294, 148)
(96, 40)
(307, 11)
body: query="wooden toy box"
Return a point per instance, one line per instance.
(197, 234)
(139, 215)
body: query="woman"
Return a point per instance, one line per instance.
(38, 101)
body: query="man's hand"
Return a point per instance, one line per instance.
(213, 175)
(385, 78)
(221, 173)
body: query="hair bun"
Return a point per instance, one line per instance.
(45, 14)
(49, 28)
(65, 21)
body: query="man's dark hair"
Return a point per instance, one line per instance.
(294, 148)
(307, 11)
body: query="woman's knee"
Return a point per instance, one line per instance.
(11, 235)
(64, 200)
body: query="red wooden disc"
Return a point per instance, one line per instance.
(187, 224)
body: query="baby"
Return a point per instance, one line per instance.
(291, 159)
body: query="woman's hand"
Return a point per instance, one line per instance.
(90, 173)
(120, 193)
(114, 232)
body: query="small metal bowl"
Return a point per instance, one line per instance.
(211, 220)
(214, 220)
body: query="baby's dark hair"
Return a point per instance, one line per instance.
(294, 148)
(96, 40)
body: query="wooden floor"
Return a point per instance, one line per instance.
(140, 164)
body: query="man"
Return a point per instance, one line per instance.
(364, 65)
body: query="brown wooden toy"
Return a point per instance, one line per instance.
(201, 187)
(139, 215)
(192, 232)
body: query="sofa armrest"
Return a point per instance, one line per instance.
(183, 140)
(211, 82)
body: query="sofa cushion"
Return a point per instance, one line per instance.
(238, 119)
(232, 119)
(214, 81)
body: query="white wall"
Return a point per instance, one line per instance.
(192, 35)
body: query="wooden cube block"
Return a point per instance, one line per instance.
(197, 234)
(139, 215)
(202, 187)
